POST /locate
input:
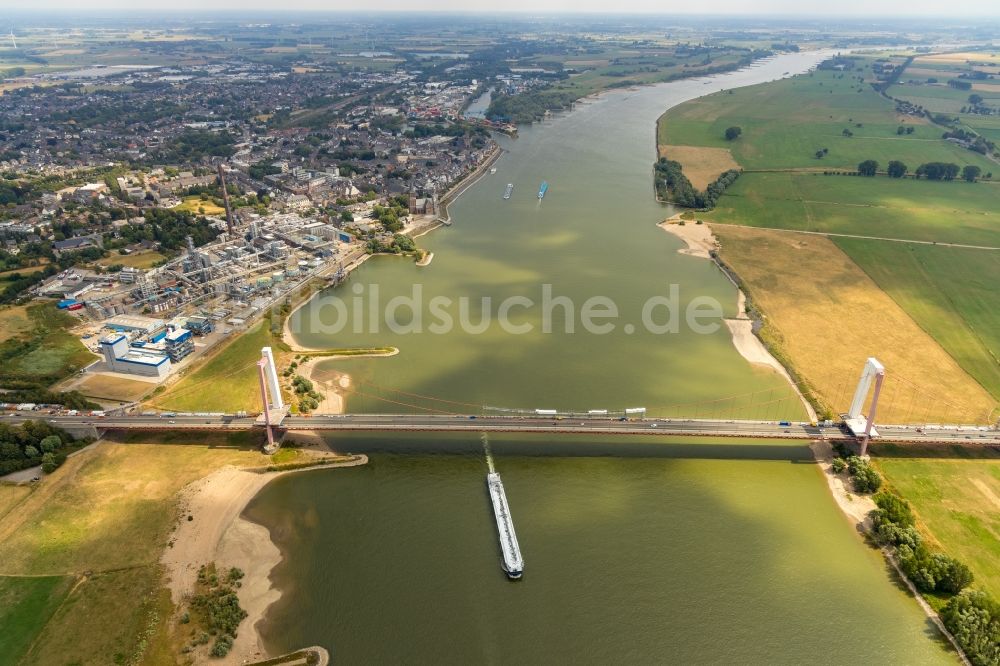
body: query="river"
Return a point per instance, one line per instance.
(636, 550)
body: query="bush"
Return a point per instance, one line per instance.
(48, 463)
(933, 572)
(897, 510)
(864, 478)
(223, 645)
(839, 465)
(973, 618)
(733, 133)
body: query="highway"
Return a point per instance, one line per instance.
(531, 424)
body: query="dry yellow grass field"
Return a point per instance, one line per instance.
(13, 321)
(701, 165)
(829, 316)
(104, 518)
(975, 56)
(107, 387)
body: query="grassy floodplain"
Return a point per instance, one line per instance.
(955, 493)
(945, 290)
(785, 122)
(232, 368)
(950, 292)
(80, 579)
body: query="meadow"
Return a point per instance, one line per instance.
(932, 211)
(234, 367)
(80, 579)
(786, 122)
(955, 493)
(950, 292)
(43, 352)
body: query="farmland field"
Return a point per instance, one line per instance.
(943, 212)
(829, 322)
(786, 122)
(950, 292)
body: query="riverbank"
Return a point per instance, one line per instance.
(468, 181)
(701, 242)
(857, 509)
(211, 529)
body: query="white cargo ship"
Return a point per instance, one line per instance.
(513, 564)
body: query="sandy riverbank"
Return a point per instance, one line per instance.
(856, 508)
(701, 242)
(331, 384)
(218, 533)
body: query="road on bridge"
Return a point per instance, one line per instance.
(469, 423)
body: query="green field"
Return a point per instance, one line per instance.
(944, 212)
(955, 493)
(226, 382)
(45, 353)
(950, 292)
(785, 122)
(80, 573)
(26, 605)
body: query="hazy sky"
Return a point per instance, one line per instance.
(841, 8)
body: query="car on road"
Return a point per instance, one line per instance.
(784, 424)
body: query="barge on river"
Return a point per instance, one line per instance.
(513, 563)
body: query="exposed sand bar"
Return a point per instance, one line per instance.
(217, 533)
(700, 243)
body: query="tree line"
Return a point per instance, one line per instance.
(32, 443)
(674, 187)
(928, 170)
(972, 616)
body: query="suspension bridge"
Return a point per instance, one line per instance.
(756, 414)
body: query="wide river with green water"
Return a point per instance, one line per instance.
(636, 550)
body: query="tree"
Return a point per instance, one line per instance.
(868, 168)
(970, 172)
(974, 619)
(938, 170)
(975, 100)
(733, 133)
(48, 463)
(50, 444)
(896, 169)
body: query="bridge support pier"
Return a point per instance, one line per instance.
(261, 367)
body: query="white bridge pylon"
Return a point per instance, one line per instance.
(859, 425)
(268, 376)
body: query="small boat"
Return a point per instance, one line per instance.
(493, 170)
(542, 190)
(510, 188)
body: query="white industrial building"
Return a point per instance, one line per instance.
(120, 357)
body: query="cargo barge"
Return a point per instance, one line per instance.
(513, 563)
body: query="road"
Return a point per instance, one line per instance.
(531, 424)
